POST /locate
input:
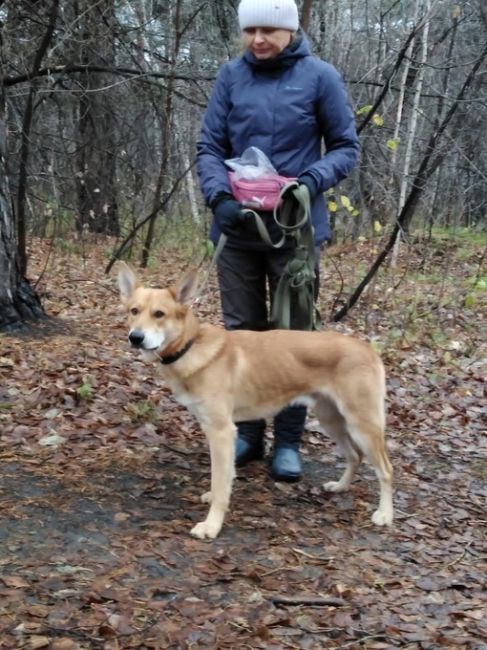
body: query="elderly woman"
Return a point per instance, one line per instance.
(279, 98)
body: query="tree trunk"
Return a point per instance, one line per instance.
(402, 91)
(18, 301)
(411, 135)
(96, 182)
(26, 137)
(306, 14)
(190, 187)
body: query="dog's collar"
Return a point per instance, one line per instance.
(171, 358)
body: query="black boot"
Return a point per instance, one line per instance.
(288, 429)
(250, 441)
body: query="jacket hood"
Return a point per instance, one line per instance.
(285, 59)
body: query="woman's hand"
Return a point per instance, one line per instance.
(228, 214)
(311, 184)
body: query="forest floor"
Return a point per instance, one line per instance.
(101, 474)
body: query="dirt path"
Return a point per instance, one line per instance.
(100, 480)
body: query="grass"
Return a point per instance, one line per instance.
(465, 235)
(144, 411)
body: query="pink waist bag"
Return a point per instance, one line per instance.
(259, 193)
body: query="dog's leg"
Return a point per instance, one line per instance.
(369, 437)
(221, 438)
(379, 459)
(335, 426)
(360, 432)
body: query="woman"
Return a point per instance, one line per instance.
(287, 103)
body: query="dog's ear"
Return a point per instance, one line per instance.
(187, 287)
(127, 280)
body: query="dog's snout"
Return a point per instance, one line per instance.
(136, 338)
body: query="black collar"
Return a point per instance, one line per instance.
(171, 358)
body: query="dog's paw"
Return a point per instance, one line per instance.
(335, 486)
(206, 497)
(205, 530)
(381, 518)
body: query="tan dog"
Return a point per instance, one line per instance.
(223, 377)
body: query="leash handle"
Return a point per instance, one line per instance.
(263, 232)
(284, 212)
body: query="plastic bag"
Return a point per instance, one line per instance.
(253, 163)
(254, 181)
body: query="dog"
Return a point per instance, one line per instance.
(224, 377)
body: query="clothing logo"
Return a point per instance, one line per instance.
(292, 88)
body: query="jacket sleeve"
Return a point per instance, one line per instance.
(337, 124)
(213, 145)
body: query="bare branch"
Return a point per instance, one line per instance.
(80, 67)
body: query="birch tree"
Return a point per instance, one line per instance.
(412, 128)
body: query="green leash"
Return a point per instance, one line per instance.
(294, 297)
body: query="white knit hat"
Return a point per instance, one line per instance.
(281, 14)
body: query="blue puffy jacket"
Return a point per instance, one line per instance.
(287, 108)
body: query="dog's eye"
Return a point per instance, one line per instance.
(159, 314)
(134, 311)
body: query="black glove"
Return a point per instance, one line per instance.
(311, 184)
(228, 213)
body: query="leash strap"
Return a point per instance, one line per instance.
(216, 254)
(286, 217)
(294, 295)
(293, 213)
(263, 232)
